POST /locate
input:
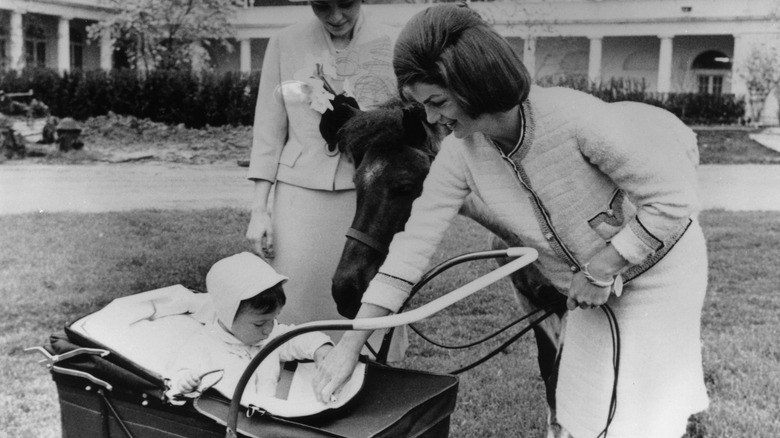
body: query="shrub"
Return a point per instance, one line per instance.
(200, 99)
(172, 97)
(706, 109)
(691, 108)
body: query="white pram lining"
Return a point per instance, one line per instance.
(149, 328)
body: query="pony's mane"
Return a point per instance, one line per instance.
(384, 127)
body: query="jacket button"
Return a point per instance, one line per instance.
(548, 236)
(573, 268)
(610, 212)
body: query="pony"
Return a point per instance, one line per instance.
(392, 148)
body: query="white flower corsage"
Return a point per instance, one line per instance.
(315, 74)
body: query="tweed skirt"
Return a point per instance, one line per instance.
(660, 381)
(309, 235)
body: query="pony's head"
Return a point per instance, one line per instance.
(392, 148)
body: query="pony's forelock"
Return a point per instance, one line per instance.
(381, 127)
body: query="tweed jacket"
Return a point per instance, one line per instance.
(287, 144)
(586, 173)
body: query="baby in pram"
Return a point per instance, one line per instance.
(247, 295)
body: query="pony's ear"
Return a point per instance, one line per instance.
(413, 124)
(344, 108)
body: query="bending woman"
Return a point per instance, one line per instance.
(606, 192)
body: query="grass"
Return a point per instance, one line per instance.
(733, 146)
(55, 268)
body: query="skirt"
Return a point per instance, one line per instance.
(309, 235)
(660, 381)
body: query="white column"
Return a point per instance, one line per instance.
(738, 58)
(665, 64)
(529, 55)
(106, 50)
(63, 44)
(594, 60)
(246, 55)
(17, 41)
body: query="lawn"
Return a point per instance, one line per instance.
(57, 267)
(733, 146)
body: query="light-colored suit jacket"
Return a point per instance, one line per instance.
(287, 145)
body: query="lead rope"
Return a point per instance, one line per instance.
(486, 338)
(503, 346)
(615, 332)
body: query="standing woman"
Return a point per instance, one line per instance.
(338, 51)
(606, 192)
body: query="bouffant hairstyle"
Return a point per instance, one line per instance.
(452, 47)
(267, 301)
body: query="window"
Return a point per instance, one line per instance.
(35, 46)
(710, 68)
(710, 84)
(5, 62)
(76, 49)
(35, 51)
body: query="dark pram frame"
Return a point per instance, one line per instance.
(392, 403)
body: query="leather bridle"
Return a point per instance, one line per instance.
(367, 240)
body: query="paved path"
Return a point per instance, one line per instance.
(117, 187)
(769, 137)
(740, 187)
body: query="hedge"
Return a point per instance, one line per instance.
(172, 97)
(200, 99)
(691, 108)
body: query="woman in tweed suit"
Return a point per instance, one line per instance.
(606, 192)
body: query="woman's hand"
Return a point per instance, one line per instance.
(585, 295)
(338, 365)
(260, 233)
(260, 230)
(603, 267)
(335, 369)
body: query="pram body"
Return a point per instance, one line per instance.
(393, 403)
(104, 393)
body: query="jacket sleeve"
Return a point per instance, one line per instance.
(301, 347)
(444, 191)
(269, 133)
(652, 156)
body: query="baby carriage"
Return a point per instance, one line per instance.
(107, 368)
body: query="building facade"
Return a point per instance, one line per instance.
(669, 45)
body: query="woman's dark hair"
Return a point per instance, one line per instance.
(452, 47)
(267, 301)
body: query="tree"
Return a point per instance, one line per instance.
(761, 72)
(168, 34)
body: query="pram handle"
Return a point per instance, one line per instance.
(524, 256)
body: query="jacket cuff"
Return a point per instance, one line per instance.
(316, 340)
(265, 172)
(387, 291)
(634, 243)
